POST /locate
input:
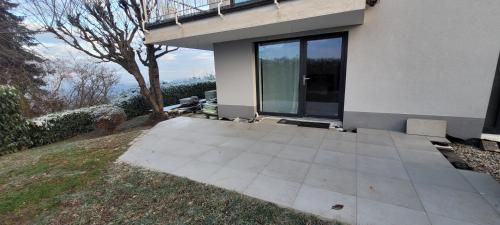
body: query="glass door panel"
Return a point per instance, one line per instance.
(279, 75)
(323, 77)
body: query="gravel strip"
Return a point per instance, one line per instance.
(479, 160)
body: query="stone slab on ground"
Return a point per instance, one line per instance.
(491, 137)
(379, 177)
(489, 145)
(438, 139)
(435, 128)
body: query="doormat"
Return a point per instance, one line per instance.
(305, 124)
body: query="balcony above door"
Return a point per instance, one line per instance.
(200, 23)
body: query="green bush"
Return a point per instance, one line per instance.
(17, 133)
(13, 126)
(60, 127)
(173, 93)
(134, 104)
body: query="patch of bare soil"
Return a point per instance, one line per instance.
(479, 160)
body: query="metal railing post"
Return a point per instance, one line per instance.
(218, 9)
(177, 19)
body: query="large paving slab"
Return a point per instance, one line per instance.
(378, 176)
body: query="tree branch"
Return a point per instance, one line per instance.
(165, 52)
(144, 62)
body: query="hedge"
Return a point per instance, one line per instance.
(173, 93)
(13, 126)
(60, 128)
(17, 133)
(134, 105)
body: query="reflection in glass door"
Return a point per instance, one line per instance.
(322, 77)
(279, 74)
(302, 77)
(240, 1)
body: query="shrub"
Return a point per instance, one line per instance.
(17, 133)
(173, 93)
(13, 126)
(93, 111)
(111, 121)
(134, 104)
(56, 128)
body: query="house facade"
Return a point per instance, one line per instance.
(370, 64)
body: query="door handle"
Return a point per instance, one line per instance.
(304, 79)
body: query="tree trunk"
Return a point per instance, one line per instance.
(145, 92)
(154, 79)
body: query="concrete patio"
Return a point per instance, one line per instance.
(380, 177)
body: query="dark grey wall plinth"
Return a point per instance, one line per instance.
(461, 127)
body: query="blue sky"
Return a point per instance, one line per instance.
(181, 64)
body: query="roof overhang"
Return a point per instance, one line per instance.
(269, 20)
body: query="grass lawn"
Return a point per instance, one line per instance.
(76, 182)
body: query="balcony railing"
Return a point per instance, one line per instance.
(170, 12)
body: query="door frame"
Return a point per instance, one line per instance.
(303, 67)
(492, 120)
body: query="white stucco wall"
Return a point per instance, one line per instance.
(424, 57)
(235, 73)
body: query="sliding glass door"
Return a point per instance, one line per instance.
(279, 72)
(323, 77)
(302, 77)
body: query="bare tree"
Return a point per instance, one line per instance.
(73, 84)
(57, 72)
(90, 84)
(110, 31)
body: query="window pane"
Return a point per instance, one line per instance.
(279, 68)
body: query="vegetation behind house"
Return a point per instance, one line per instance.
(134, 105)
(18, 132)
